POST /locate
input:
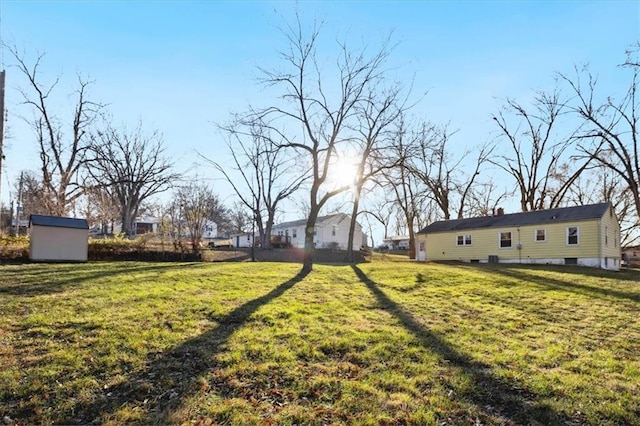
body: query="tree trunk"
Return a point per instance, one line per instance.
(309, 246)
(267, 229)
(412, 239)
(352, 225)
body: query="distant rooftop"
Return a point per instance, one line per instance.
(300, 222)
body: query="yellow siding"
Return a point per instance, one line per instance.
(486, 242)
(610, 235)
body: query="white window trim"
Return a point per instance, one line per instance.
(535, 235)
(566, 238)
(500, 240)
(464, 240)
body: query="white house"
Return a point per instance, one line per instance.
(331, 231)
(150, 224)
(58, 239)
(399, 242)
(242, 239)
(147, 224)
(210, 231)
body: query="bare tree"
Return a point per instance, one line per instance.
(171, 224)
(30, 194)
(62, 143)
(433, 164)
(610, 135)
(381, 208)
(131, 167)
(221, 215)
(485, 198)
(323, 105)
(408, 191)
(198, 204)
(378, 111)
(537, 150)
(101, 207)
(601, 184)
(239, 218)
(267, 175)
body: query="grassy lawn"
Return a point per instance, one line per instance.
(385, 342)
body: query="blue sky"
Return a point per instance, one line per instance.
(182, 66)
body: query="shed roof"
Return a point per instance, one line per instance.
(565, 214)
(57, 221)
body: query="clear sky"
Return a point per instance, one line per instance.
(181, 66)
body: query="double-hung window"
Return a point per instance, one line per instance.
(541, 235)
(572, 236)
(505, 239)
(463, 240)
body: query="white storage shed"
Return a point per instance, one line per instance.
(58, 239)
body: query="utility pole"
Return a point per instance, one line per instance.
(19, 206)
(2, 77)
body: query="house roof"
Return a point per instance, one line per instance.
(397, 238)
(319, 221)
(566, 214)
(58, 222)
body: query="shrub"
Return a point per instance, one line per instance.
(14, 248)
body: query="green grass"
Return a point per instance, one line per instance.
(386, 342)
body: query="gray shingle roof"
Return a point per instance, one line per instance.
(566, 214)
(57, 222)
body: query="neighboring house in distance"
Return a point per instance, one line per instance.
(22, 227)
(632, 256)
(582, 235)
(210, 231)
(331, 231)
(242, 239)
(399, 242)
(147, 224)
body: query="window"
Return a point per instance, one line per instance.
(463, 240)
(505, 239)
(572, 236)
(606, 235)
(294, 233)
(333, 231)
(541, 235)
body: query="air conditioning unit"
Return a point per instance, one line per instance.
(493, 258)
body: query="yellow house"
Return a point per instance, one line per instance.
(582, 235)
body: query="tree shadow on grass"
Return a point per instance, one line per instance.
(172, 376)
(494, 395)
(519, 273)
(55, 280)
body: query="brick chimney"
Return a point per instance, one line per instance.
(500, 211)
